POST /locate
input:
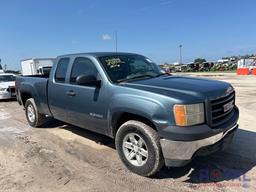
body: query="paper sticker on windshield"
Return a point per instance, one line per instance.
(114, 62)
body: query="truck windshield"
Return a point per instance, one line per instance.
(129, 67)
(6, 78)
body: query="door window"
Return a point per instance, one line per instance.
(82, 66)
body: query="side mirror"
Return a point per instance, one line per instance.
(88, 80)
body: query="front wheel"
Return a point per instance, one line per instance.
(34, 118)
(138, 146)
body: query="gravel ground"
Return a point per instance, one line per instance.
(61, 157)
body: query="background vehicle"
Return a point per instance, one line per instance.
(7, 88)
(44, 70)
(155, 118)
(36, 66)
(1, 69)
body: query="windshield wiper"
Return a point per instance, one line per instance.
(136, 77)
(162, 74)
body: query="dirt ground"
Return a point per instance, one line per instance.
(64, 158)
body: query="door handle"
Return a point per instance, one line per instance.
(71, 93)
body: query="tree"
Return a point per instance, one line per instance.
(199, 60)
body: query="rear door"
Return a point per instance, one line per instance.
(57, 90)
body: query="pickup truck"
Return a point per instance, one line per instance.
(155, 118)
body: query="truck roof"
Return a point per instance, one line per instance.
(99, 54)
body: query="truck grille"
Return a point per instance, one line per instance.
(222, 109)
(12, 92)
(11, 89)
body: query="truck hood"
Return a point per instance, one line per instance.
(6, 84)
(187, 86)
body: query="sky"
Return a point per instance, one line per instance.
(209, 29)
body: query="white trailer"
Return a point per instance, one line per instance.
(36, 66)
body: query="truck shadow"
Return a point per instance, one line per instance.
(97, 138)
(231, 164)
(8, 100)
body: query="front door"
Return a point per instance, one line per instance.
(87, 105)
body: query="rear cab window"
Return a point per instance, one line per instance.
(61, 71)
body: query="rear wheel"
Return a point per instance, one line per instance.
(34, 118)
(138, 146)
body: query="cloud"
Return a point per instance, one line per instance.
(156, 4)
(91, 4)
(167, 2)
(106, 37)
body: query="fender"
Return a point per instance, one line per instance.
(153, 110)
(38, 95)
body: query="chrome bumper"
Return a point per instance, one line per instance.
(5, 95)
(184, 150)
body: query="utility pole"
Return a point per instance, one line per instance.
(116, 40)
(180, 46)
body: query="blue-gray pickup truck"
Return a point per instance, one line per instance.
(155, 118)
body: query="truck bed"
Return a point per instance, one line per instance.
(36, 86)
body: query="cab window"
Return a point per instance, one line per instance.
(61, 70)
(82, 66)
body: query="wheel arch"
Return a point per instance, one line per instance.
(25, 96)
(119, 118)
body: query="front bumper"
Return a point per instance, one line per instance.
(7, 95)
(179, 153)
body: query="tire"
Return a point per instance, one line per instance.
(134, 155)
(34, 118)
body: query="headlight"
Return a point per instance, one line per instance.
(186, 115)
(2, 89)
